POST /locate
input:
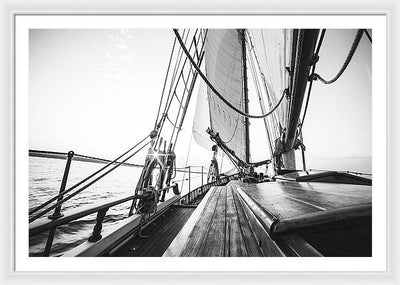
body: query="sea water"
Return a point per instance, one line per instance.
(45, 175)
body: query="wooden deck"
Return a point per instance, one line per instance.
(275, 219)
(218, 227)
(157, 237)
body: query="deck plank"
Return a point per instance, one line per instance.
(200, 230)
(160, 235)
(214, 242)
(235, 244)
(250, 242)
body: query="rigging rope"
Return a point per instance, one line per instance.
(271, 82)
(229, 152)
(178, 76)
(315, 76)
(315, 60)
(169, 99)
(81, 189)
(187, 158)
(219, 94)
(235, 163)
(165, 82)
(261, 101)
(234, 132)
(368, 35)
(274, 120)
(87, 178)
(188, 92)
(173, 125)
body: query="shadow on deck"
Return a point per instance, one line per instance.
(157, 236)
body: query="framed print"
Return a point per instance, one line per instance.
(202, 143)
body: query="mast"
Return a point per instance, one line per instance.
(305, 52)
(302, 57)
(246, 96)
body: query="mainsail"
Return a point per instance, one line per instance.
(270, 62)
(279, 66)
(269, 57)
(224, 70)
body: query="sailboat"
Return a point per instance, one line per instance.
(266, 208)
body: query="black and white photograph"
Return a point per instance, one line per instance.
(191, 142)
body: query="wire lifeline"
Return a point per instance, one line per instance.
(219, 94)
(87, 178)
(84, 187)
(315, 76)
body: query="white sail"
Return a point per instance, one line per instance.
(224, 69)
(201, 120)
(273, 49)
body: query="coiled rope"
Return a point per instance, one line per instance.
(219, 94)
(315, 76)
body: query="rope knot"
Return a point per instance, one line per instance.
(313, 77)
(314, 59)
(290, 72)
(287, 93)
(153, 134)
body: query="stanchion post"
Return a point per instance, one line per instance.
(189, 179)
(57, 212)
(202, 174)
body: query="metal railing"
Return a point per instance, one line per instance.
(42, 224)
(45, 224)
(85, 183)
(192, 195)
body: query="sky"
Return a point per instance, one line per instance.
(96, 92)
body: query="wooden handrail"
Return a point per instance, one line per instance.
(198, 188)
(44, 224)
(222, 180)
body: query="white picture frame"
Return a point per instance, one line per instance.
(10, 10)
